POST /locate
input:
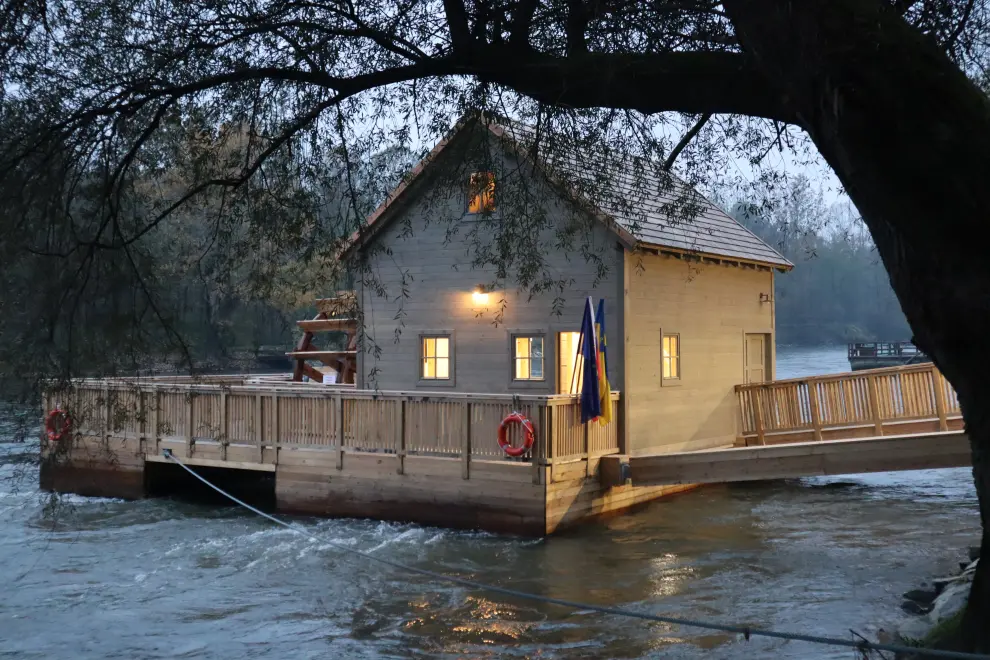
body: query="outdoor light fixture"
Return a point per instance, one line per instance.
(480, 296)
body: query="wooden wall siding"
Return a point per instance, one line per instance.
(432, 264)
(711, 307)
(499, 496)
(881, 401)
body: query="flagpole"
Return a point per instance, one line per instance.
(576, 353)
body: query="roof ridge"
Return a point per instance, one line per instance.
(677, 183)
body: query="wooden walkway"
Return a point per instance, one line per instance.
(898, 418)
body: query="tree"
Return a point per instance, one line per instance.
(882, 88)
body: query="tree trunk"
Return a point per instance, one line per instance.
(909, 137)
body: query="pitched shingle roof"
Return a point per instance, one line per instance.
(655, 207)
(635, 196)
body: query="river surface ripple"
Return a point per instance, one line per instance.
(166, 579)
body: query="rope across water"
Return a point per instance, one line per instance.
(745, 631)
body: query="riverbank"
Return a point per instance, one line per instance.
(938, 606)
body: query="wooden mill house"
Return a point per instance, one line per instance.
(401, 422)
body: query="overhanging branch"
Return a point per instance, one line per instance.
(694, 83)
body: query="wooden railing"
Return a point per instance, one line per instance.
(228, 412)
(895, 400)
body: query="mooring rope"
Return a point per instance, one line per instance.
(747, 632)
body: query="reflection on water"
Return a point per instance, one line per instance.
(158, 578)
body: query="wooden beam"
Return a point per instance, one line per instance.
(816, 417)
(938, 384)
(209, 462)
(874, 395)
(802, 459)
(466, 443)
(327, 325)
(322, 356)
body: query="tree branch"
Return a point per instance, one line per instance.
(522, 22)
(460, 33)
(679, 147)
(577, 24)
(690, 82)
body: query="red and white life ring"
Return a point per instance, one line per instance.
(57, 433)
(529, 434)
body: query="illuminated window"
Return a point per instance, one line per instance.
(481, 193)
(436, 358)
(571, 363)
(528, 358)
(671, 356)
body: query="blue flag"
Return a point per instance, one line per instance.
(604, 388)
(591, 405)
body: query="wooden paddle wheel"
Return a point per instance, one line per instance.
(335, 315)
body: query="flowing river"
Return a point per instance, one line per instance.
(166, 579)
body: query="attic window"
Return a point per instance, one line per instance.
(481, 192)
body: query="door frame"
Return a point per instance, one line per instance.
(771, 352)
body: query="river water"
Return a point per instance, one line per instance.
(160, 578)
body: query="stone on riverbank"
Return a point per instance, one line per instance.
(921, 596)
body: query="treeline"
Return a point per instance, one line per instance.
(105, 272)
(838, 291)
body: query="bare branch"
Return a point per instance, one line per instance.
(679, 147)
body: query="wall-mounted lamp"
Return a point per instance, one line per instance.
(480, 296)
(765, 297)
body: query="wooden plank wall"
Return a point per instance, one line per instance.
(498, 496)
(426, 279)
(711, 307)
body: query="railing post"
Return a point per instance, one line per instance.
(106, 412)
(758, 414)
(466, 443)
(544, 439)
(259, 433)
(339, 403)
(189, 424)
(816, 417)
(276, 431)
(938, 384)
(875, 404)
(224, 441)
(153, 435)
(400, 447)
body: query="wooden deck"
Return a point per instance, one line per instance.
(899, 418)
(427, 457)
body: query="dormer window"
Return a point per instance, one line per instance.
(481, 192)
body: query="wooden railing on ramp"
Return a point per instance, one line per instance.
(877, 402)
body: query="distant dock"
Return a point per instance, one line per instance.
(878, 355)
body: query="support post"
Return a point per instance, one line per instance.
(259, 433)
(276, 431)
(189, 424)
(816, 417)
(339, 404)
(544, 440)
(400, 440)
(938, 383)
(153, 435)
(875, 405)
(466, 443)
(106, 412)
(224, 440)
(758, 415)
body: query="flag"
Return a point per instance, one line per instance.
(591, 404)
(604, 389)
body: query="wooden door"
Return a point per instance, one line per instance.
(757, 362)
